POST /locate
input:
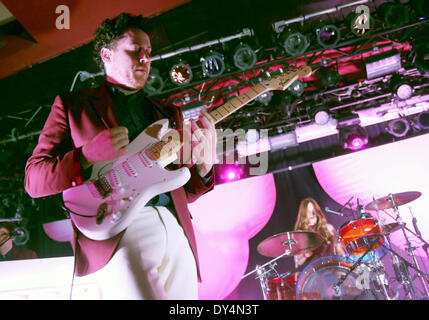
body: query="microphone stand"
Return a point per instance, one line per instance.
(418, 234)
(358, 262)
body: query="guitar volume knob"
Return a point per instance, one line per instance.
(116, 217)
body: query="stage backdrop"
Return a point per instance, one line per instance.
(367, 174)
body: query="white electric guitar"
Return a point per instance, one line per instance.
(104, 205)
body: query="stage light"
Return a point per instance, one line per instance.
(244, 57)
(393, 14)
(181, 73)
(213, 65)
(400, 87)
(404, 91)
(359, 23)
(252, 136)
(398, 127)
(21, 236)
(328, 35)
(353, 138)
(422, 120)
(294, 42)
(229, 172)
(296, 88)
(265, 98)
(154, 83)
(382, 64)
(320, 115)
(329, 78)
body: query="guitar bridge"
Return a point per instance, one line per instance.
(103, 187)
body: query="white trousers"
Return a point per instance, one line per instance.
(154, 261)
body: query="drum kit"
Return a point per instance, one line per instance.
(362, 274)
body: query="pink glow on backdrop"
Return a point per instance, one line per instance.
(224, 220)
(392, 168)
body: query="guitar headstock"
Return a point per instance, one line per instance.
(283, 80)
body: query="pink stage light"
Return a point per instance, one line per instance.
(231, 175)
(356, 143)
(230, 172)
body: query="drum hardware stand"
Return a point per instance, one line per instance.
(262, 272)
(402, 266)
(410, 250)
(419, 235)
(357, 263)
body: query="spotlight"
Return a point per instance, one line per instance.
(422, 120)
(265, 98)
(393, 14)
(359, 23)
(381, 64)
(21, 236)
(296, 88)
(244, 57)
(252, 136)
(404, 91)
(398, 127)
(294, 42)
(353, 138)
(329, 78)
(181, 73)
(320, 115)
(400, 87)
(229, 172)
(213, 65)
(328, 35)
(154, 83)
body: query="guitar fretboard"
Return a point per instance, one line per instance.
(280, 82)
(236, 103)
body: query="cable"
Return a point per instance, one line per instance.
(74, 266)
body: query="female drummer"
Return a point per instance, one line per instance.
(311, 218)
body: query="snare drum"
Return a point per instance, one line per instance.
(357, 235)
(283, 288)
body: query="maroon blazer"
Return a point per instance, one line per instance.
(54, 166)
(22, 254)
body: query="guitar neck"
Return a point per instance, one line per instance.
(241, 100)
(237, 102)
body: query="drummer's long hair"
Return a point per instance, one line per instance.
(302, 220)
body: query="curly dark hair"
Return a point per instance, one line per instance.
(111, 30)
(10, 227)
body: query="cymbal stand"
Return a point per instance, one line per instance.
(381, 273)
(264, 270)
(410, 250)
(418, 234)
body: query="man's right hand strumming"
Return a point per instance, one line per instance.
(107, 145)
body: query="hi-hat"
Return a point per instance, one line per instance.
(398, 198)
(291, 243)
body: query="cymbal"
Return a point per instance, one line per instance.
(291, 242)
(399, 199)
(389, 228)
